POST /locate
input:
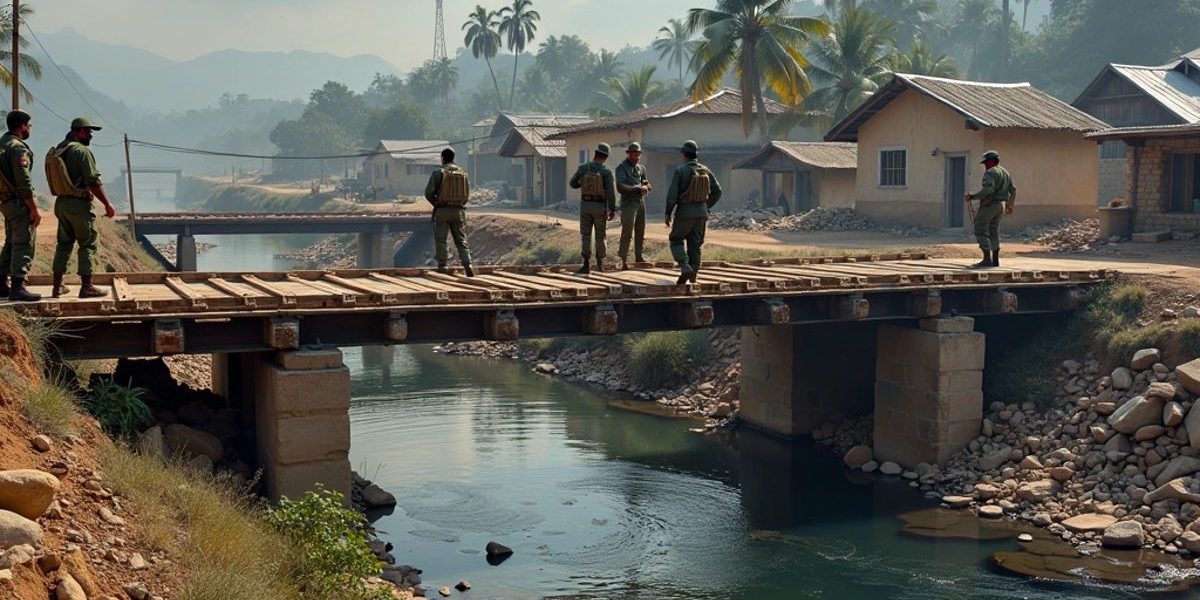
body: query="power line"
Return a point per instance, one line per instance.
(33, 34)
(47, 107)
(200, 151)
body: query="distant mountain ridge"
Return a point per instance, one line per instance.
(142, 79)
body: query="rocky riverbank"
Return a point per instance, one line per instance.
(333, 252)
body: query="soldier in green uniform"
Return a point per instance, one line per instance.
(21, 217)
(75, 180)
(694, 190)
(997, 197)
(448, 191)
(633, 186)
(597, 206)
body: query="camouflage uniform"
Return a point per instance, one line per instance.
(690, 219)
(447, 219)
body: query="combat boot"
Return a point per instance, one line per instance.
(87, 290)
(585, 269)
(624, 264)
(995, 258)
(468, 270)
(4, 286)
(985, 263)
(685, 274)
(638, 259)
(599, 265)
(60, 289)
(20, 293)
(442, 269)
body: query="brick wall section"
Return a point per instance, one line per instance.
(302, 416)
(1112, 180)
(1153, 186)
(928, 390)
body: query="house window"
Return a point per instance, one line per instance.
(582, 156)
(893, 167)
(1185, 174)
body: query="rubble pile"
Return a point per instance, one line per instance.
(817, 219)
(1064, 235)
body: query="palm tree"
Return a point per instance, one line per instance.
(913, 18)
(483, 40)
(606, 65)
(1025, 14)
(29, 65)
(833, 6)
(922, 60)
(760, 41)
(851, 63)
(675, 45)
(518, 23)
(976, 18)
(638, 90)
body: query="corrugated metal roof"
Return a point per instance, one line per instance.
(545, 119)
(1175, 91)
(722, 102)
(995, 105)
(1148, 131)
(415, 150)
(536, 138)
(818, 155)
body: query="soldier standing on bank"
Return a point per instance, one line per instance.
(75, 180)
(21, 217)
(633, 186)
(448, 190)
(597, 206)
(694, 189)
(997, 197)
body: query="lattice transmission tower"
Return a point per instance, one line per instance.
(439, 35)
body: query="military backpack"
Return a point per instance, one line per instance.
(591, 185)
(58, 177)
(699, 187)
(454, 189)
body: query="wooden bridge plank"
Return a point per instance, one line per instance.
(248, 295)
(194, 299)
(285, 297)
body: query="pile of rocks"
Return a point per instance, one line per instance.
(1064, 235)
(329, 253)
(753, 219)
(481, 196)
(817, 219)
(167, 249)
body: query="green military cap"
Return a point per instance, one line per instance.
(603, 148)
(84, 123)
(18, 113)
(990, 155)
(690, 146)
(634, 147)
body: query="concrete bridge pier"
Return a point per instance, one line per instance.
(296, 406)
(923, 382)
(185, 252)
(372, 251)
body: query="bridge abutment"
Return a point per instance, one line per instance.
(185, 252)
(372, 252)
(924, 383)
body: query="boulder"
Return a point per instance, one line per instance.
(858, 456)
(41, 443)
(193, 441)
(1178, 467)
(1149, 432)
(152, 443)
(1144, 359)
(1094, 522)
(1061, 474)
(1172, 414)
(17, 555)
(956, 501)
(986, 491)
(890, 468)
(1123, 534)
(376, 497)
(1038, 491)
(16, 530)
(1183, 489)
(1031, 463)
(497, 549)
(991, 511)
(1137, 413)
(1122, 379)
(1192, 424)
(1189, 376)
(1161, 389)
(27, 492)
(1169, 529)
(990, 461)
(1190, 540)
(68, 589)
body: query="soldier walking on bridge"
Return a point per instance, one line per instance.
(995, 199)
(597, 206)
(633, 186)
(75, 180)
(694, 189)
(448, 190)
(21, 218)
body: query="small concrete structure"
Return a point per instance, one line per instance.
(403, 166)
(1163, 175)
(799, 176)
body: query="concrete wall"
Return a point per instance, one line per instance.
(1056, 172)
(834, 187)
(383, 171)
(1150, 191)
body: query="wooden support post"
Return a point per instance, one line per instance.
(694, 314)
(282, 333)
(397, 327)
(168, 336)
(15, 69)
(502, 326)
(600, 320)
(854, 308)
(772, 311)
(129, 184)
(927, 303)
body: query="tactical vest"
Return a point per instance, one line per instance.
(7, 189)
(699, 187)
(453, 190)
(591, 185)
(58, 177)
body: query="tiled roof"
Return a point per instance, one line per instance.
(985, 105)
(535, 137)
(415, 150)
(722, 102)
(818, 155)
(545, 119)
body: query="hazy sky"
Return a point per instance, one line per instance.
(400, 31)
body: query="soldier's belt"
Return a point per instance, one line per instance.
(593, 199)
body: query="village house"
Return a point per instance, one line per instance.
(402, 167)
(491, 168)
(715, 123)
(800, 176)
(544, 163)
(920, 140)
(1163, 176)
(1139, 96)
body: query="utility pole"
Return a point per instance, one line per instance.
(129, 184)
(16, 54)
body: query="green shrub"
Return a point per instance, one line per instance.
(50, 408)
(1124, 343)
(1189, 338)
(330, 544)
(1128, 300)
(664, 358)
(119, 408)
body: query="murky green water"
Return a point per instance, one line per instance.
(606, 503)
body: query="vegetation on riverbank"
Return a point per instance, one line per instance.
(254, 198)
(118, 251)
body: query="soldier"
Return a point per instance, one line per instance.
(75, 180)
(21, 217)
(597, 206)
(995, 199)
(448, 190)
(694, 189)
(633, 186)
